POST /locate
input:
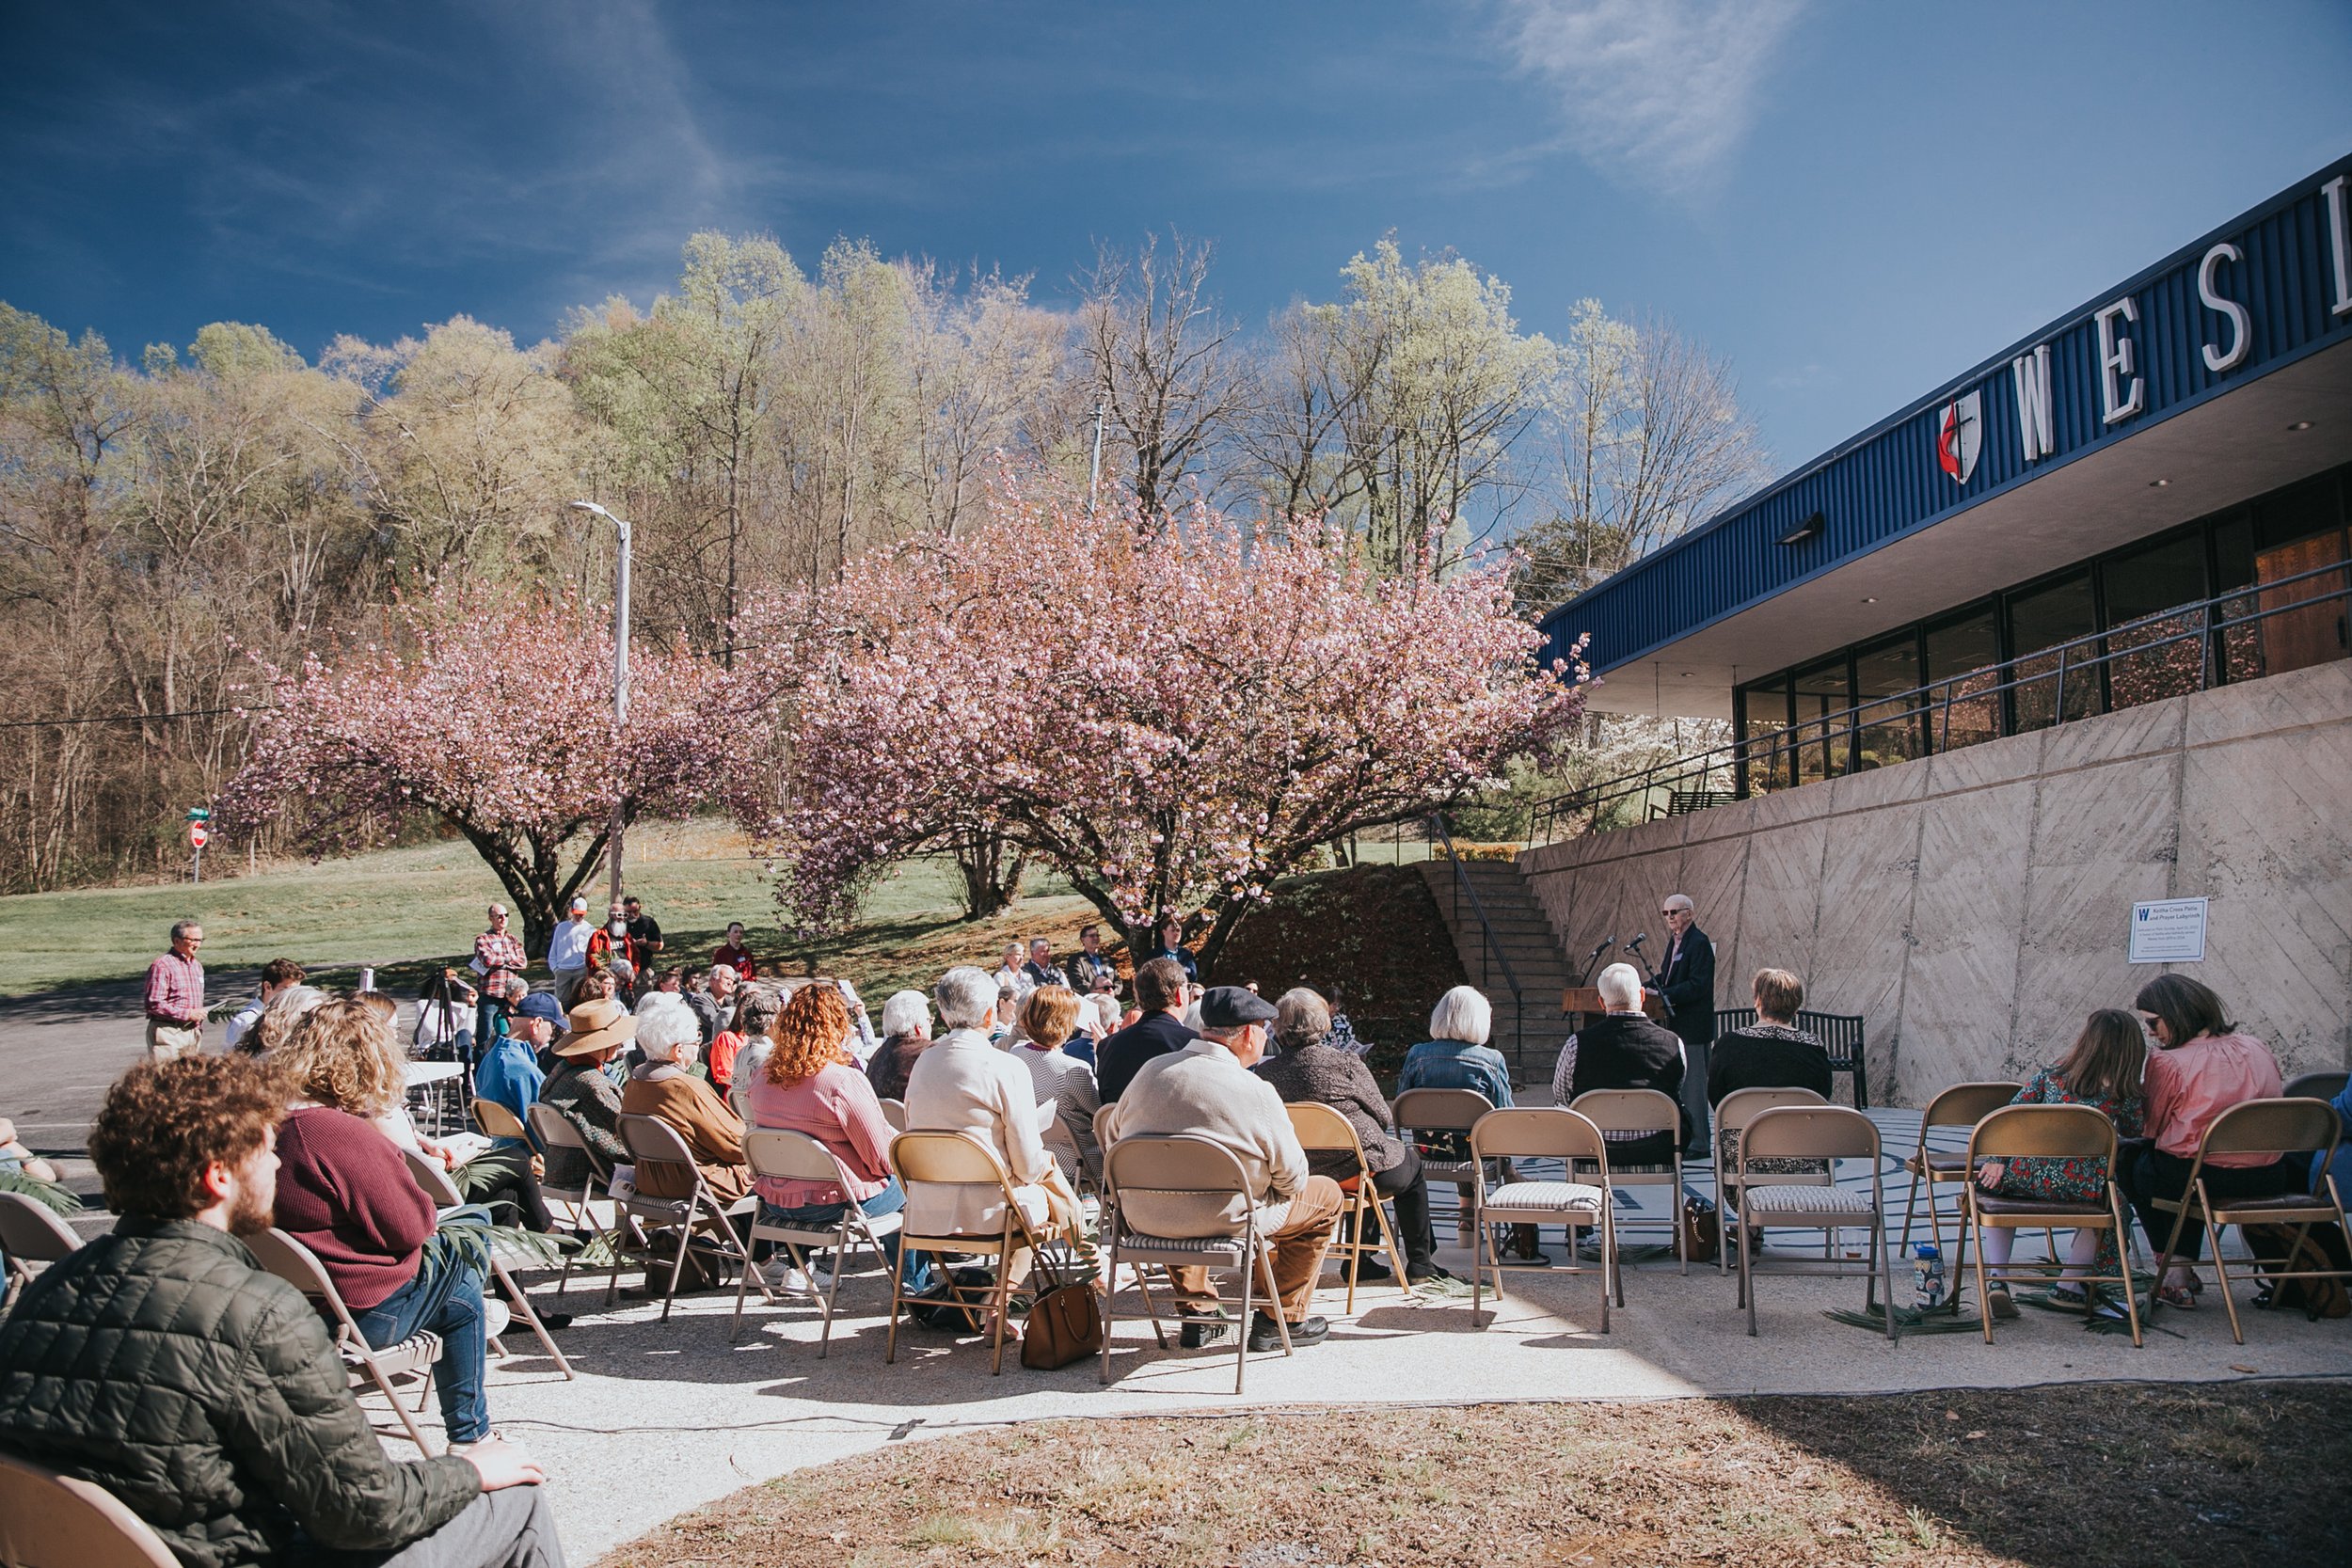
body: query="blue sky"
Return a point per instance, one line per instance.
(1852, 202)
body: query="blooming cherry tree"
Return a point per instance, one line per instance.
(494, 711)
(1171, 719)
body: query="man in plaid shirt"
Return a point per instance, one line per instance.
(496, 956)
(175, 995)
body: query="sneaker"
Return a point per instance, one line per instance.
(1266, 1334)
(554, 1321)
(1370, 1271)
(1421, 1273)
(1200, 1331)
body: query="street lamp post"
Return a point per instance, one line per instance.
(620, 682)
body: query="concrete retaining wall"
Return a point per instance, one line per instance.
(1973, 907)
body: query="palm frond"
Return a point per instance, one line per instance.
(49, 1195)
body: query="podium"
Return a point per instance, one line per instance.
(1583, 1001)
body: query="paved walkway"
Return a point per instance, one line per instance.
(665, 1417)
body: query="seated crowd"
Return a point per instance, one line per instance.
(227, 1420)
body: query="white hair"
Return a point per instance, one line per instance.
(664, 1022)
(966, 996)
(1106, 1011)
(1462, 1014)
(1620, 988)
(907, 1012)
(1677, 901)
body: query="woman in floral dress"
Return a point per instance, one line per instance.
(2102, 1072)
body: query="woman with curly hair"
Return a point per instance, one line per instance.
(344, 1193)
(810, 1084)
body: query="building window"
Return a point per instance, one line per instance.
(1764, 765)
(2063, 680)
(1889, 730)
(2143, 584)
(1822, 737)
(1963, 657)
(2295, 534)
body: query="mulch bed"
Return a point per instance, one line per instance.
(2081, 1475)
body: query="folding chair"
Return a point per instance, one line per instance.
(1738, 1109)
(1642, 1111)
(960, 1160)
(413, 1357)
(1445, 1111)
(53, 1521)
(1322, 1129)
(556, 1131)
(797, 1157)
(895, 1112)
(1184, 1166)
(1961, 1105)
(652, 1142)
(2315, 1086)
(428, 1174)
(2274, 1127)
(31, 1233)
(1554, 1133)
(2047, 1132)
(1823, 1132)
(496, 1121)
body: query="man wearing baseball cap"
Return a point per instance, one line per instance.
(509, 1072)
(1206, 1090)
(567, 951)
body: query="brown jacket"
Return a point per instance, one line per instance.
(714, 1132)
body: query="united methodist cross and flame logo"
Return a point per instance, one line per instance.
(1959, 435)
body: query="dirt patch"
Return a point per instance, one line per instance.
(2080, 1477)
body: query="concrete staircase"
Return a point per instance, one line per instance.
(1523, 937)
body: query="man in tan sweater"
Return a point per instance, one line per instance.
(1206, 1089)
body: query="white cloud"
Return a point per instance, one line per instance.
(1656, 92)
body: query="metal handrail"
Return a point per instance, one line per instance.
(1491, 948)
(1938, 698)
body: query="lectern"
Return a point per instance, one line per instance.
(1583, 1001)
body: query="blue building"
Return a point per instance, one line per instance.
(2144, 498)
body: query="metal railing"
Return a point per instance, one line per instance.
(1489, 950)
(2067, 681)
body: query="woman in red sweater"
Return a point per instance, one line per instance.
(345, 1191)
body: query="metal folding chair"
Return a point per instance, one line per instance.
(48, 1520)
(1642, 1111)
(2274, 1127)
(797, 1157)
(496, 1121)
(1322, 1129)
(960, 1160)
(1961, 1105)
(1440, 1111)
(1829, 1132)
(428, 1174)
(895, 1112)
(2046, 1132)
(413, 1357)
(1537, 1133)
(652, 1142)
(1186, 1166)
(1738, 1109)
(32, 1233)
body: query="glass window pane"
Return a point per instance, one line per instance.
(1765, 713)
(2296, 535)
(1823, 695)
(1890, 730)
(2144, 584)
(1963, 659)
(2042, 620)
(2241, 635)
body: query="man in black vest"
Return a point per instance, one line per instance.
(1688, 984)
(1624, 1050)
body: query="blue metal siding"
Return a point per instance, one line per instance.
(1885, 483)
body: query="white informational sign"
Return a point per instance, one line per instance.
(2169, 931)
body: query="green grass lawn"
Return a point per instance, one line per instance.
(426, 902)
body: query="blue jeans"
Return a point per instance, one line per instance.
(448, 1301)
(824, 1216)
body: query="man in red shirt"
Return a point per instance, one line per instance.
(175, 995)
(735, 955)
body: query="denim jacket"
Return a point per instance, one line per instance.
(1456, 1065)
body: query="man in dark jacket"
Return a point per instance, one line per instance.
(1688, 984)
(218, 1411)
(1160, 993)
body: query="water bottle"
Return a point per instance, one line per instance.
(1927, 1269)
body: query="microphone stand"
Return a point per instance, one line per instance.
(1585, 978)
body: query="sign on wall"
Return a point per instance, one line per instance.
(2169, 931)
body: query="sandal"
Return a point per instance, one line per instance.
(2004, 1306)
(2180, 1298)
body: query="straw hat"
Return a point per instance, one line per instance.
(597, 1025)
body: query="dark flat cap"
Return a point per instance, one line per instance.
(1231, 1006)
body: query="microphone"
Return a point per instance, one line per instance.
(1606, 943)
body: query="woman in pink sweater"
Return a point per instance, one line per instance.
(810, 1084)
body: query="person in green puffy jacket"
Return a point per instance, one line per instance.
(218, 1411)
